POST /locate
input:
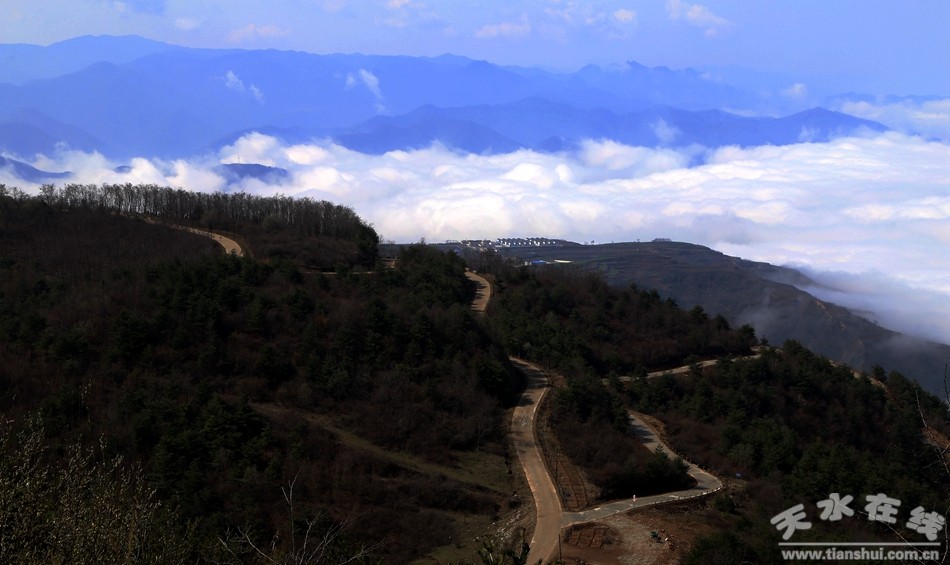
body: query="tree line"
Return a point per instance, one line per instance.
(214, 210)
(267, 222)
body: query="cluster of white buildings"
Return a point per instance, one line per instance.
(509, 242)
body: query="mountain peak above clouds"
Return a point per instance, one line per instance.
(28, 172)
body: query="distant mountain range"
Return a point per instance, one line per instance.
(767, 297)
(128, 96)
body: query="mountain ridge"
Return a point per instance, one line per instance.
(132, 97)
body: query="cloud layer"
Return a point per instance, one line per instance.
(869, 217)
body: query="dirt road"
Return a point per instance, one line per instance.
(229, 245)
(706, 483)
(547, 530)
(483, 294)
(551, 517)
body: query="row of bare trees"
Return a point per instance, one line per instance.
(214, 210)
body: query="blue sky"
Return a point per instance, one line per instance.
(873, 46)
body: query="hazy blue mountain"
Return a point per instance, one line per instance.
(547, 126)
(29, 173)
(687, 89)
(235, 172)
(383, 135)
(127, 96)
(20, 63)
(130, 111)
(31, 132)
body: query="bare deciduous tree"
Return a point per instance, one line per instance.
(307, 545)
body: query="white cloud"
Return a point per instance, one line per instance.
(699, 16)
(409, 14)
(519, 28)
(254, 32)
(257, 94)
(626, 16)
(869, 209)
(187, 24)
(665, 133)
(232, 81)
(797, 91)
(371, 82)
(930, 118)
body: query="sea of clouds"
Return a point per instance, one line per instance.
(868, 218)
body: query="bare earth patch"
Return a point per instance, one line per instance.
(627, 538)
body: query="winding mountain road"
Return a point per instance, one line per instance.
(706, 483)
(547, 503)
(551, 518)
(482, 293)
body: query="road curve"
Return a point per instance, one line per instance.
(229, 245)
(550, 516)
(706, 483)
(483, 292)
(547, 528)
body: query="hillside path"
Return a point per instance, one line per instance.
(482, 294)
(547, 503)
(229, 245)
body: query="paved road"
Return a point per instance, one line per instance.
(482, 294)
(547, 529)
(705, 482)
(550, 516)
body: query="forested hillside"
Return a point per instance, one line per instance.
(573, 322)
(207, 402)
(227, 378)
(794, 428)
(781, 426)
